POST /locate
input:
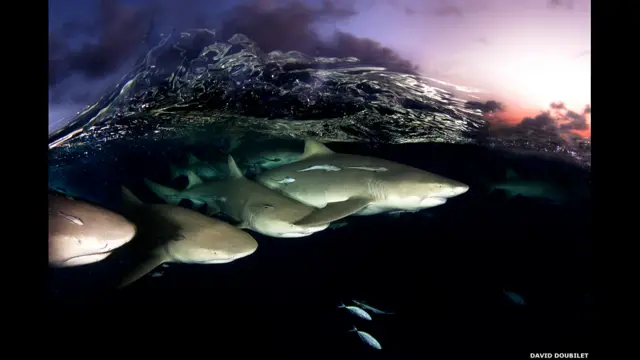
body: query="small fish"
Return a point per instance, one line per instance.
(321, 167)
(368, 339)
(156, 274)
(515, 298)
(165, 265)
(356, 311)
(366, 168)
(401, 212)
(285, 180)
(71, 218)
(370, 308)
(338, 225)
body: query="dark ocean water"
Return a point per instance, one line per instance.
(443, 271)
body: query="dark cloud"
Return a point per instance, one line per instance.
(123, 32)
(567, 4)
(291, 27)
(117, 33)
(448, 10)
(559, 119)
(542, 121)
(444, 8)
(577, 121)
(489, 107)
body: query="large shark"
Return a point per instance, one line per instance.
(254, 206)
(177, 234)
(82, 233)
(360, 185)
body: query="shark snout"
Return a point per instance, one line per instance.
(459, 189)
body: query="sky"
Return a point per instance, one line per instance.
(531, 56)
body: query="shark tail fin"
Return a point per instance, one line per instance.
(143, 269)
(169, 195)
(192, 159)
(175, 171)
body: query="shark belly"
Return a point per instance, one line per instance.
(410, 204)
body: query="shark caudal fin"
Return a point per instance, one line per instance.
(143, 269)
(333, 211)
(169, 195)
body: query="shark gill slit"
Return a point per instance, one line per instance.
(377, 189)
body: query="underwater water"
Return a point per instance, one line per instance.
(448, 273)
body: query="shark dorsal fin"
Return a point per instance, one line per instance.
(193, 179)
(313, 148)
(128, 199)
(234, 171)
(192, 159)
(511, 174)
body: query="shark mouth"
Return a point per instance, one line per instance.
(101, 253)
(98, 255)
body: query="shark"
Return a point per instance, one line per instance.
(174, 234)
(252, 205)
(514, 185)
(359, 185)
(256, 157)
(83, 233)
(201, 168)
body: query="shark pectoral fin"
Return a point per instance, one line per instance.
(333, 211)
(143, 269)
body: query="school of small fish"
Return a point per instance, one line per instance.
(360, 310)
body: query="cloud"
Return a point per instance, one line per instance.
(118, 33)
(85, 52)
(488, 107)
(558, 121)
(555, 4)
(444, 8)
(447, 10)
